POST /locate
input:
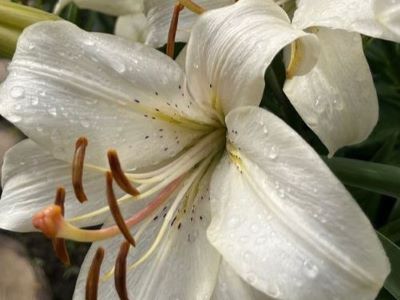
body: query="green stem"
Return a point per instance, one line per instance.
(375, 177)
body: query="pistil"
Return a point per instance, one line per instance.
(51, 222)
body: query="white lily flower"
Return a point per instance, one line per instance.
(114, 8)
(337, 99)
(146, 21)
(244, 208)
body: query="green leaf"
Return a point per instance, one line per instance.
(392, 283)
(375, 177)
(391, 230)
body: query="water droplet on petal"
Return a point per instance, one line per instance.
(273, 153)
(52, 111)
(17, 92)
(251, 278)
(310, 269)
(14, 118)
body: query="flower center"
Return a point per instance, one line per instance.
(168, 192)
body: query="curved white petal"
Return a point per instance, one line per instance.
(337, 99)
(159, 13)
(350, 15)
(184, 266)
(30, 177)
(132, 27)
(181, 58)
(231, 287)
(230, 49)
(284, 223)
(388, 13)
(65, 83)
(114, 7)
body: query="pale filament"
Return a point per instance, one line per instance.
(168, 173)
(188, 184)
(68, 231)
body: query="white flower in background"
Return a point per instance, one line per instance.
(337, 99)
(278, 222)
(146, 21)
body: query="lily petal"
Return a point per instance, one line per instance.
(30, 177)
(231, 287)
(184, 266)
(284, 223)
(350, 15)
(388, 13)
(231, 47)
(65, 83)
(132, 27)
(159, 13)
(337, 99)
(114, 8)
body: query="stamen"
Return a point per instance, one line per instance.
(52, 224)
(59, 246)
(192, 6)
(119, 175)
(92, 281)
(115, 211)
(77, 168)
(120, 271)
(172, 30)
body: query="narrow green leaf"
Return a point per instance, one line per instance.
(375, 177)
(392, 283)
(392, 230)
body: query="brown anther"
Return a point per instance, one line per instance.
(48, 220)
(119, 175)
(77, 169)
(120, 271)
(116, 213)
(172, 30)
(59, 246)
(92, 281)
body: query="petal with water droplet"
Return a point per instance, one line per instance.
(350, 15)
(89, 84)
(231, 47)
(308, 245)
(30, 178)
(337, 99)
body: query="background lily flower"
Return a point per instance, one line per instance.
(301, 235)
(337, 99)
(146, 21)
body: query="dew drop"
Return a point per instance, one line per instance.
(319, 105)
(273, 153)
(35, 101)
(273, 290)
(251, 278)
(52, 111)
(18, 107)
(119, 66)
(14, 118)
(310, 269)
(17, 92)
(265, 130)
